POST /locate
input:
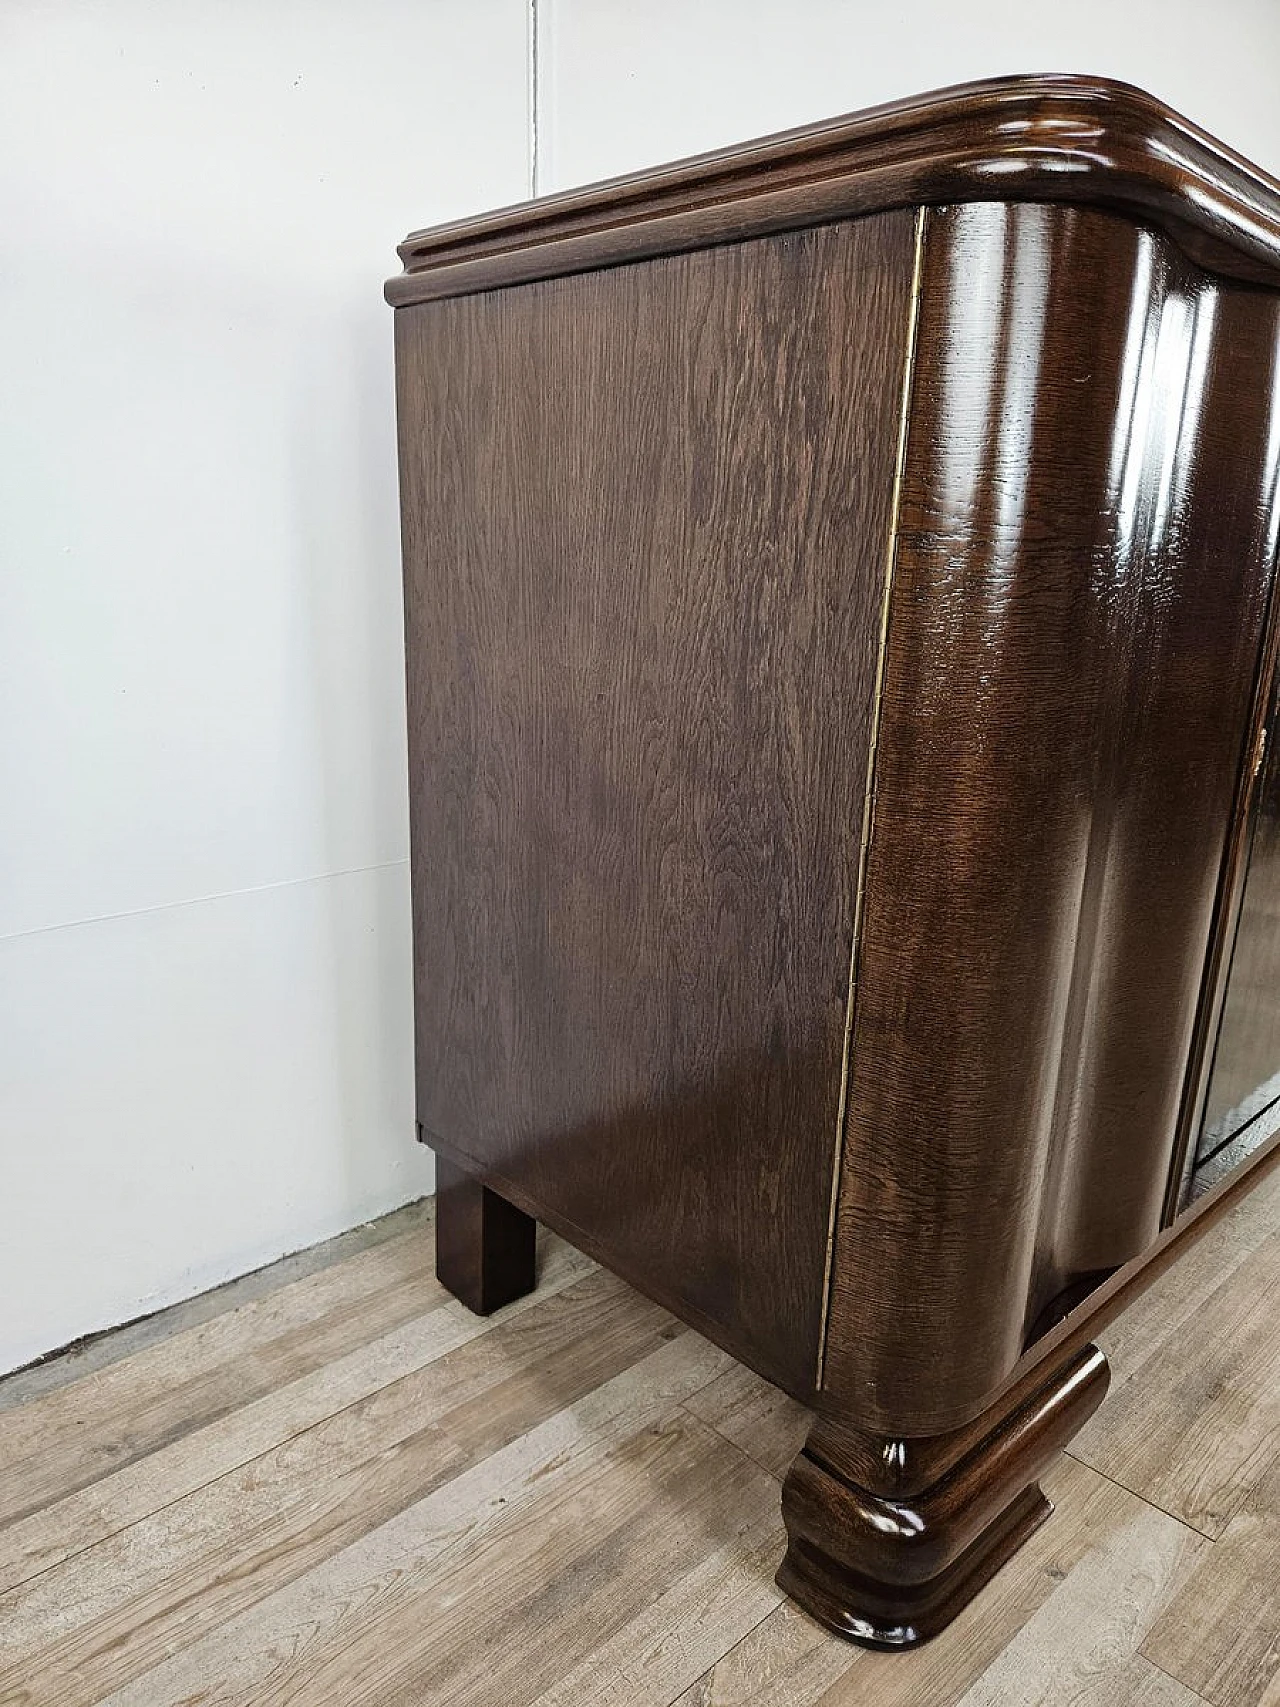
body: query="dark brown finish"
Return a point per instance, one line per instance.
(1182, 1186)
(1083, 568)
(1092, 1313)
(1044, 139)
(484, 1245)
(1247, 1057)
(647, 520)
(891, 1564)
(839, 957)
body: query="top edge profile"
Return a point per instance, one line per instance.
(1038, 138)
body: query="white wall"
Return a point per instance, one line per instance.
(625, 86)
(205, 1044)
(204, 960)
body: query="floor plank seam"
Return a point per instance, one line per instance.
(720, 1435)
(1150, 1503)
(721, 1658)
(1209, 1700)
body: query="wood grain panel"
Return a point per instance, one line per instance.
(1085, 545)
(647, 515)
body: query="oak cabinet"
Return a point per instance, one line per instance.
(838, 582)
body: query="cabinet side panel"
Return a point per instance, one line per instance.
(646, 519)
(1084, 557)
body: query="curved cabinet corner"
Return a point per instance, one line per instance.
(1086, 533)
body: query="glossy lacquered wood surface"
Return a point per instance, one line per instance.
(1055, 138)
(1085, 540)
(646, 524)
(890, 1565)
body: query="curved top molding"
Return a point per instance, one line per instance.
(1057, 138)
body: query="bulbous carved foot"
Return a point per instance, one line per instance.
(889, 1539)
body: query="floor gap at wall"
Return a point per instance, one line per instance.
(105, 1346)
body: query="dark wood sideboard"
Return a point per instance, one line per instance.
(846, 876)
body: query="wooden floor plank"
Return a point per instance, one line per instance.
(1101, 1540)
(670, 1642)
(759, 1419)
(1080, 1646)
(287, 1646)
(146, 1484)
(109, 1613)
(119, 1414)
(786, 1661)
(1197, 1422)
(1220, 1635)
(575, 1504)
(86, 1356)
(575, 1569)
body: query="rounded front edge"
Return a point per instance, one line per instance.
(1078, 607)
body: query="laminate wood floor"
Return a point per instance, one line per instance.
(329, 1486)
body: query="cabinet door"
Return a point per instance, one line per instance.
(1244, 1087)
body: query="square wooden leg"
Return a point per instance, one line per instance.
(484, 1245)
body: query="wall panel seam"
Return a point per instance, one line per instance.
(200, 900)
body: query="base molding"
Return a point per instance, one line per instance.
(891, 1566)
(879, 1615)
